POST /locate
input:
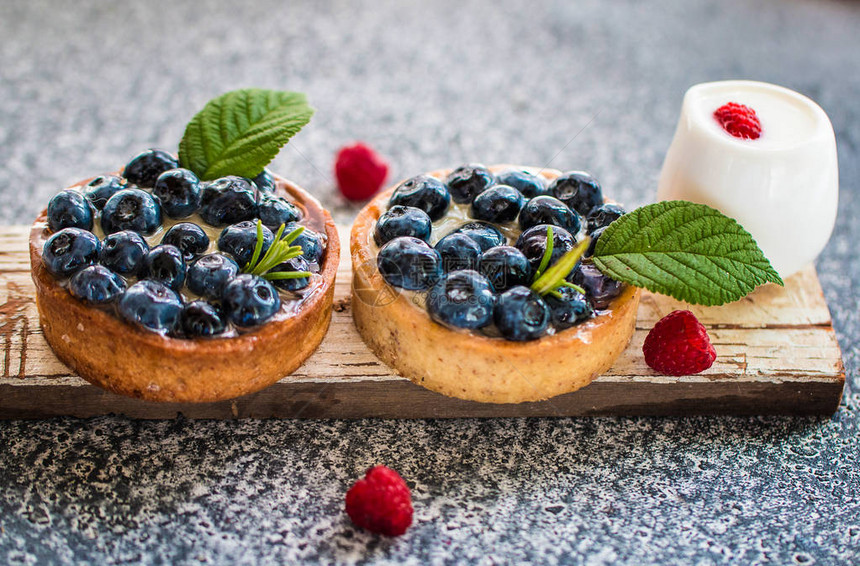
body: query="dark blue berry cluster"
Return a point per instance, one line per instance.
(478, 276)
(156, 265)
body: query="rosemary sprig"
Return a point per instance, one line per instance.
(280, 251)
(547, 253)
(554, 277)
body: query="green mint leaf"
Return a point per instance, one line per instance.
(688, 251)
(240, 132)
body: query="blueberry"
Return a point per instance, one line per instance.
(295, 264)
(209, 273)
(123, 252)
(311, 242)
(463, 299)
(499, 204)
(549, 210)
(424, 192)
(528, 184)
(249, 300)
(152, 305)
(275, 211)
(96, 285)
(100, 189)
(569, 309)
(458, 251)
(505, 267)
(604, 215)
(69, 250)
(402, 220)
(468, 181)
(240, 240)
(199, 318)
(409, 263)
(145, 168)
(485, 235)
(599, 288)
(521, 314)
(594, 237)
(164, 264)
(179, 192)
(190, 238)
(578, 190)
(228, 200)
(532, 243)
(69, 209)
(265, 181)
(131, 209)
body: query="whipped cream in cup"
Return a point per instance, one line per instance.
(782, 187)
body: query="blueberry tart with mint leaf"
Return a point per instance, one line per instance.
(194, 277)
(471, 282)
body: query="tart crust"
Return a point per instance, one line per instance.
(470, 366)
(116, 356)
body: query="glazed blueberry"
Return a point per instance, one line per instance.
(208, 275)
(295, 264)
(123, 252)
(594, 237)
(179, 192)
(532, 243)
(549, 210)
(199, 318)
(402, 220)
(131, 209)
(249, 300)
(311, 242)
(409, 263)
(100, 189)
(69, 209)
(189, 238)
(599, 288)
(578, 190)
(164, 264)
(463, 299)
(152, 305)
(239, 240)
(528, 184)
(569, 309)
(145, 167)
(228, 200)
(96, 285)
(485, 235)
(521, 314)
(505, 267)
(265, 181)
(424, 192)
(468, 181)
(499, 204)
(275, 211)
(69, 250)
(458, 251)
(604, 215)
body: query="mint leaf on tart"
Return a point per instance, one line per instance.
(240, 132)
(689, 251)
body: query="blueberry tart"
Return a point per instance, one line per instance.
(477, 283)
(154, 283)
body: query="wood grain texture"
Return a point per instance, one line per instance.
(776, 354)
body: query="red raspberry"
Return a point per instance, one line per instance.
(381, 502)
(679, 345)
(360, 171)
(739, 120)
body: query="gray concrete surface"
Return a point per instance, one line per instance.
(594, 85)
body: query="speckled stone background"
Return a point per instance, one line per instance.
(84, 85)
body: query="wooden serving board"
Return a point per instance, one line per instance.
(776, 354)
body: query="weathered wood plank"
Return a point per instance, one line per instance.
(777, 353)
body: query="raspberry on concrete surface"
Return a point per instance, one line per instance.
(380, 502)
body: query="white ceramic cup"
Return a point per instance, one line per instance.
(782, 187)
